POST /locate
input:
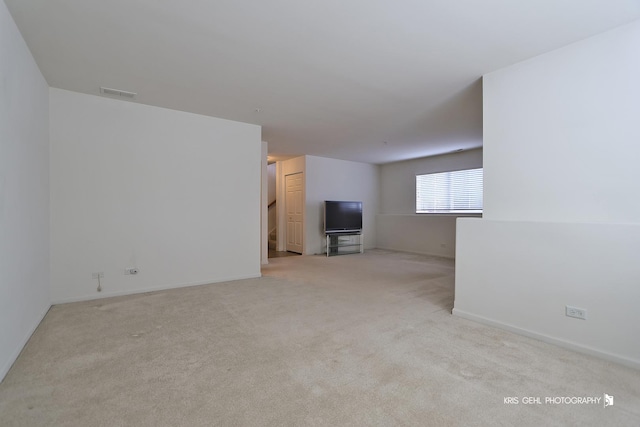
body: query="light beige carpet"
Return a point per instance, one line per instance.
(350, 340)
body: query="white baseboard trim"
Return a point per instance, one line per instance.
(414, 252)
(150, 289)
(7, 366)
(632, 363)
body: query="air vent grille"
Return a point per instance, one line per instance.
(117, 92)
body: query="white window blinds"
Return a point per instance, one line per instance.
(450, 192)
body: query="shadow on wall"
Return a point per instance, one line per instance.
(457, 119)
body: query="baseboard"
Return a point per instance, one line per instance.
(150, 289)
(5, 369)
(414, 252)
(549, 339)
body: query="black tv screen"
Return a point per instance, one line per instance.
(342, 216)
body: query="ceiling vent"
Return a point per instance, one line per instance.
(117, 92)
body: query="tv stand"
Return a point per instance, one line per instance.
(344, 243)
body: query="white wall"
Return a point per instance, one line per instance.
(520, 275)
(24, 193)
(175, 194)
(433, 235)
(331, 179)
(398, 226)
(561, 134)
(562, 216)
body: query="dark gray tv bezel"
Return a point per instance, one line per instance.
(343, 231)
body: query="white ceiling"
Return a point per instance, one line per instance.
(365, 80)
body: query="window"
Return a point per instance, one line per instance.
(449, 192)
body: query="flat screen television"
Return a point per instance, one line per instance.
(342, 216)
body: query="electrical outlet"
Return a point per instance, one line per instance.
(99, 275)
(578, 313)
(131, 270)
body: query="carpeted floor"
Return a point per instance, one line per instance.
(350, 340)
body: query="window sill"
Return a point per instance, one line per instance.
(471, 215)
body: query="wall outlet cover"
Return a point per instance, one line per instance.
(578, 313)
